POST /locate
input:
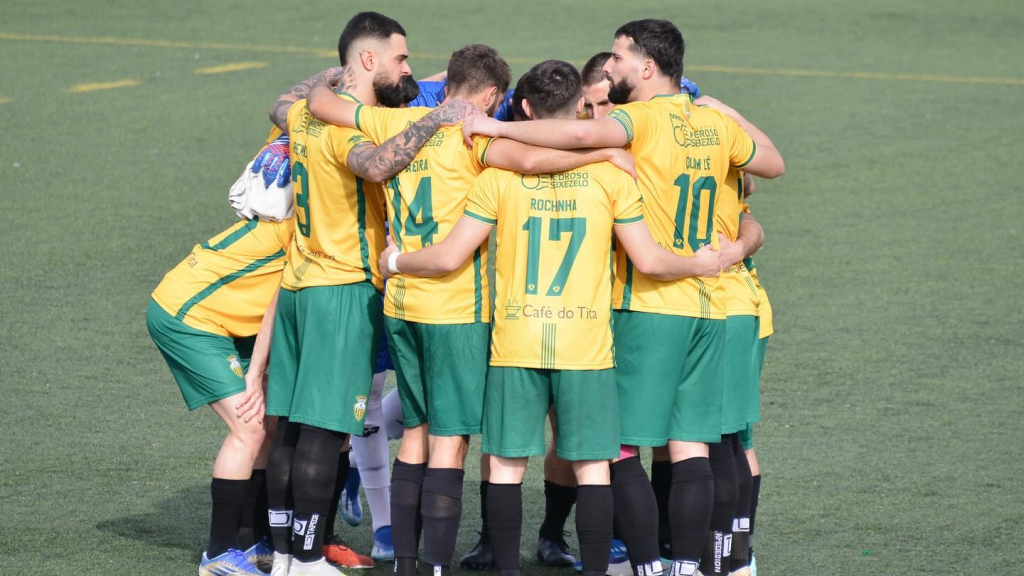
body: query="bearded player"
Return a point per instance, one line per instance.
(670, 388)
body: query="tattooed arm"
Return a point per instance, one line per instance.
(377, 164)
(279, 110)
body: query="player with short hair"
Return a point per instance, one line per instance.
(204, 317)
(595, 87)
(328, 321)
(554, 237)
(438, 327)
(670, 387)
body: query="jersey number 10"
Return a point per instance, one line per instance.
(688, 209)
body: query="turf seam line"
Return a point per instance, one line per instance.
(809, 73)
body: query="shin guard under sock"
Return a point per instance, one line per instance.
(754, 495)
(558, 503)
(229, 498)
(313, 477)
(339, 485)
(251, 514)
(740, 557)
(636, 513)
(594, 526)
(722, 460)
(505, 525)
(661, 482)
(441, 508)
(279, 485)
(690, 503)
(406, 490)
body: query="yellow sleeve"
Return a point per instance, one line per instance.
(630, 116)
(294, 113)
(741, 145)
(745, 208)
(381, 123)
(627, 203)
(482, 204)
(480, 146)
(341, 141)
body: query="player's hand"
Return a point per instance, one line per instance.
(480, 124)
(252, 404)
(334, 75)
(748, 185)
(623, 160)
(455, 110)
(689, 86)
(708, 261)
(716, 104)
(731, 252)
(385, 270)
(273, 162)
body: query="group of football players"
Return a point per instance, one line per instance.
(625, 310)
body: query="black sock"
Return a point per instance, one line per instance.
(406, 488)
(754, 494)
(505, 514)
(661, 481)
(228, 504)
(339, 485)
(279, 485)
(441, 507)
(313, 472)
(594, 526)
(260, 524)
(558, 503)
(740, 557)
(484, 533)
(251, 513)
(636, 513)
(722, 460)
(689, 506)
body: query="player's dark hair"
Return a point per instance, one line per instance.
(593, 70)
(475, 68)
(551, 87)
(658, 40)
(372, 25)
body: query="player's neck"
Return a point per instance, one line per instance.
(362, 90)
(649, 90)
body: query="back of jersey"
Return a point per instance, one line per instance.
(424, 202)
(339, 218)
(683, 153)
(226, 283)
(552, 272)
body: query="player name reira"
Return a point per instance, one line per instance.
(546, 205)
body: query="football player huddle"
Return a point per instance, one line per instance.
(625, 309)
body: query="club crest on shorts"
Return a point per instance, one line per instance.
(236, 366)
(359, 409)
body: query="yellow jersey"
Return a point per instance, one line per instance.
(339, 217)
(764, 307)
(683, 154)
(226, 283)
(424, 202)
(741, 294)
(552, 271)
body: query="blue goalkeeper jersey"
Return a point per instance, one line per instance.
(432, 94)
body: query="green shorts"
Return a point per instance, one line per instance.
(740, 400)
(747, 437)
(441, 371)
(207, 367)
(586, 409)
(322, 356)
(669, 373)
